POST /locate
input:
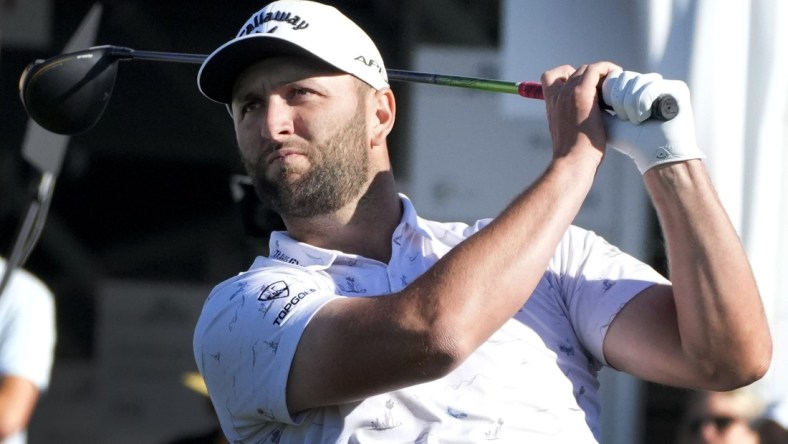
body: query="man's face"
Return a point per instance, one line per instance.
(302, 135)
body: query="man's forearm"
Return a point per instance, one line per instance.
(720, 315)
(18, 397)
(514, 250)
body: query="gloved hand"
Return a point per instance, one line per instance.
(648, 142)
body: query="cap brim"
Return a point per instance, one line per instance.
(221, 69)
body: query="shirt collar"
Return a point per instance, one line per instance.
(286, 249)
(410, 218)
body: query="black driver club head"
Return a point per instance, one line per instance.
(67, 94)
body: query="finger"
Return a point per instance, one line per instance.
(637, 109)
(594, 74)
(597, 71)
(608, 86)
(579, 72)
(618, 91)
(556, 77)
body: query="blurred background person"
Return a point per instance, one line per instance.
(773, 426)
(27, 325)
(27, 339)
(720, 418)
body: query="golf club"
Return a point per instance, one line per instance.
(68, 93)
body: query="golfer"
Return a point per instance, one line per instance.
(369, 324)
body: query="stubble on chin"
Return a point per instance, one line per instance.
(338, 171)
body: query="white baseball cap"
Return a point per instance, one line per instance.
(293, 27)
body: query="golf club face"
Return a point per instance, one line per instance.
(68, 94)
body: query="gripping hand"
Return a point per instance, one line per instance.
(648, 142)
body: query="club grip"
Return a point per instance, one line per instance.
(530, 90)
(664, 107)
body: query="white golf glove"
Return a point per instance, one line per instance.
(648, 142)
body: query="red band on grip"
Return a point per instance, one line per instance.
(531, 90)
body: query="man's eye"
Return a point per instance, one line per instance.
(249, 107)
(300, 92)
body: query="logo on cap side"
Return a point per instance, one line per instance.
(371, 63)
(254, 24)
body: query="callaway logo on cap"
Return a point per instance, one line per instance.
(293, 27)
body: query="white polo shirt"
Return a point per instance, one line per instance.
(534, 380)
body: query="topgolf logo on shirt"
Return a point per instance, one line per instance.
(277, 290)
(291, 304)
(280, 290)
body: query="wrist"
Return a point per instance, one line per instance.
(667, 154)
(677, 179)
(578, 164)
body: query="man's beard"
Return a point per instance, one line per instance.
(339, 168)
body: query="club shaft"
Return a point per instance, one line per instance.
(128, 53)
(460, 82)
(497, 86)
(664, 107)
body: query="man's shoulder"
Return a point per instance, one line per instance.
(266, 272)
(25, 288)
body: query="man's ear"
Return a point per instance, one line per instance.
(385, 108)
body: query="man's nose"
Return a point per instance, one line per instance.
(278, 122)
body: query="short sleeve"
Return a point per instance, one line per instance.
(246, 337)
(27, 330)
(597, 281)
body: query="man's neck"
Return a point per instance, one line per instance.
(363, 227)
